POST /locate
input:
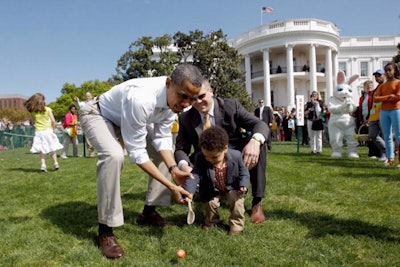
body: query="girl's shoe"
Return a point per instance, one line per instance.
(56, 166)
(389, 163)
(43, 168)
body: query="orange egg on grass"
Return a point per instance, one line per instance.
(180, 253)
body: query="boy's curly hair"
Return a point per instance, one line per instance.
(214, 138)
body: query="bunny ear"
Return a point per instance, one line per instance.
(353, 78)
(341, 78)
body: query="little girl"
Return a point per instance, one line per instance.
(45, 140)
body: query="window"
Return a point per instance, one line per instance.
(364, 68)
(342, 66)
(385, 62)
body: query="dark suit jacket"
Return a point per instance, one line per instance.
(232, 116)
(267, 115)
(237, 175)
(229, 114)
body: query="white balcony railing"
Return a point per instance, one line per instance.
(293, 25)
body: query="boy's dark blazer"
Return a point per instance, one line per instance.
(204, 175)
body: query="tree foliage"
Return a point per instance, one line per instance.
(15, 115)
(149, 57)
(141, 61)
(69, 91)
(396, 58)
(220, 62)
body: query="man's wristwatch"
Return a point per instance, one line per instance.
(257, 140)
(172, 167)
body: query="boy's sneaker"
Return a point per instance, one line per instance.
(63, 157)
(43, 168)
(56, 166)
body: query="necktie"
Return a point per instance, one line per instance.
(207, 121)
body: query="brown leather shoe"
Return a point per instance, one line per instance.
(257, 214)
(153, 219)
(109, 246)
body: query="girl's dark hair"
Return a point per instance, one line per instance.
(395, 67)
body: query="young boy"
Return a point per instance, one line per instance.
(220, 173)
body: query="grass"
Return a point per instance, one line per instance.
(322, 212)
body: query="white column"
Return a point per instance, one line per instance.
(353, 68)
(247, 66)
(335, 66)
(375, 65)
(267, 78)
(328, 73)
(290, 76)
(313, 69)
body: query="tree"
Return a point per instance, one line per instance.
(15, 114)
(211, 53)
(397, 57)
(220, 62)
(139, 61)
(186, 44)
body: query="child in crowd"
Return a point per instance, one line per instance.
(45, 140)
(220, 173)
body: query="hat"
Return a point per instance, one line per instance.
(380, 72)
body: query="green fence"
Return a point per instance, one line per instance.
(22, 136)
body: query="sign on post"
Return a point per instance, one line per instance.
(300, 110)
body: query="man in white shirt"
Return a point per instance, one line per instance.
(80, 104)
(129, 108)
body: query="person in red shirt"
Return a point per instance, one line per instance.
(70, 132)
(364, 106)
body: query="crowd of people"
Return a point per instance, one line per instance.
(15, 135)
(191, 142)
(383, 136)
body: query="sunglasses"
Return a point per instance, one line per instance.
(200, 97)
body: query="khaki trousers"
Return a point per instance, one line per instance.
(105, 138)
(235, 202)
(157, 193)
(102, 136)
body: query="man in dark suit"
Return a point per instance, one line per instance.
(266, 115)
(233, 117)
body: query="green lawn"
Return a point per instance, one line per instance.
(321, 212)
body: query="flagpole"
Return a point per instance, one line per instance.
(265, 10)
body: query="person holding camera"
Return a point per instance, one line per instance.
(313, 111)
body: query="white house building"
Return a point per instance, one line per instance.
(297, 56)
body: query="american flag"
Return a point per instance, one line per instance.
(267, 9)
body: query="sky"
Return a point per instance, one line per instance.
(47, 43)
